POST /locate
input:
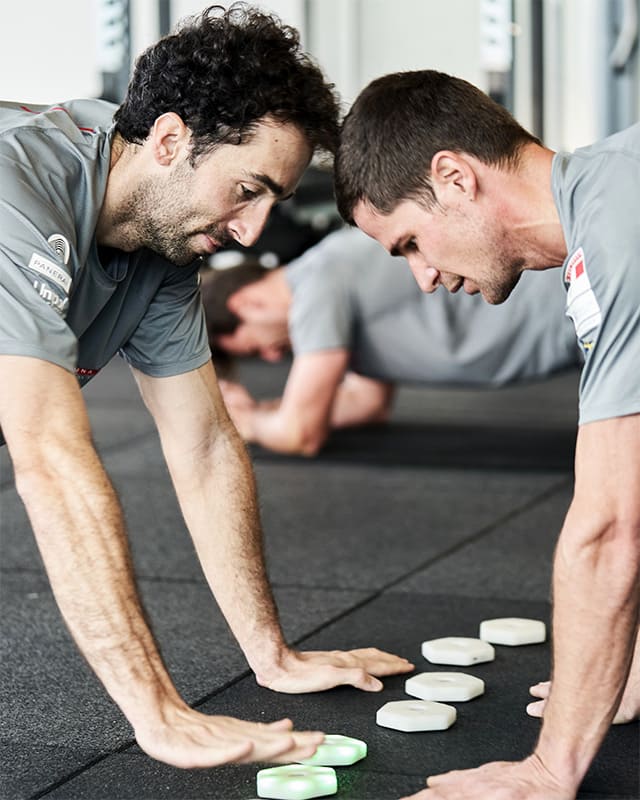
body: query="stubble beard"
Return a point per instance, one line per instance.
(155, 216)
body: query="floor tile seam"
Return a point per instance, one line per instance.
(489, 598)
(514, 513)
(132, 742)
(57, 784)
(375, 594)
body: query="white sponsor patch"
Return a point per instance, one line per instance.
(50, 270)
(582, 305)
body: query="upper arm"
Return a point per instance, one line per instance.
(607, 488)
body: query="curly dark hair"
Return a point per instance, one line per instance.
(224, 70)
(400, 121)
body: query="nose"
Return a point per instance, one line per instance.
(249, 224)
(427, 278)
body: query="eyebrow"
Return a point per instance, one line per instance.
(275, 188)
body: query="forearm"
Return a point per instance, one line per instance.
(79, 529)
(596, 596)
(284, 429)
(217, 494)
(361, 401)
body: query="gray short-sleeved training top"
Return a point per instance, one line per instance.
(348, 292)
(597, 193)
(62, 298)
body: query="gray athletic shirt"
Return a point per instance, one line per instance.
(348, 292)
(597, 193)
(61, 298)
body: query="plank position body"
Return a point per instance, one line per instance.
(437, 172)
(104, 219)
(358, 325)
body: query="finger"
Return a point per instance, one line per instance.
(304, 746)
(388, 667)
(541, 690)
(536, 709)
(280, 725)
(198, 756)
(361, 679)
(377, 662)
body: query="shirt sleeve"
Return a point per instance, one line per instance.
(604, 303)
(321, 315)
(172, 336)
(35, 276)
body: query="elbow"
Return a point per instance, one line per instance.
(305, 441)
(608, 545)
(39, 464)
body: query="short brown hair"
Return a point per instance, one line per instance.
(400, 121)
(217, 286)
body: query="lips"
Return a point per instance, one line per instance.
(210, 244)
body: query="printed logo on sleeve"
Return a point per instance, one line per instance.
(582, 305)
(60, 246)
(51, 271)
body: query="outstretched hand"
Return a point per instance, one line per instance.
(315, 671)
(500, 780)
(188, 739)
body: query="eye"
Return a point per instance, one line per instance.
(411, 246)
(246, 193)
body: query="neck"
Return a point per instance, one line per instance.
(535, 220)
(111, 231)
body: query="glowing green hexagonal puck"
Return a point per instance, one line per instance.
(296, 782)
(338, 751)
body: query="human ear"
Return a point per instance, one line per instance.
(169, 137)
(452, 177)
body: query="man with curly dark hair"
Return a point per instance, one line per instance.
(102, 230)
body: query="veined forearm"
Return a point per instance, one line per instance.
(78, 525)
(217, 494)
(596, 597)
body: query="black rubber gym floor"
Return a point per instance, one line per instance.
(392, 536)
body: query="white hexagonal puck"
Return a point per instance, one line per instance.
(455, 687)
(338, 751)
(296, 782)
(513, 631)
(416, 715)
(458, 651)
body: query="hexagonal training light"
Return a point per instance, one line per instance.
(454, 687)
(296, 782)
(338, 751)
(513, 631)
(416, 715)
(458, 651)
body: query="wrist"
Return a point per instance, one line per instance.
(270, 662)
(558, 765)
